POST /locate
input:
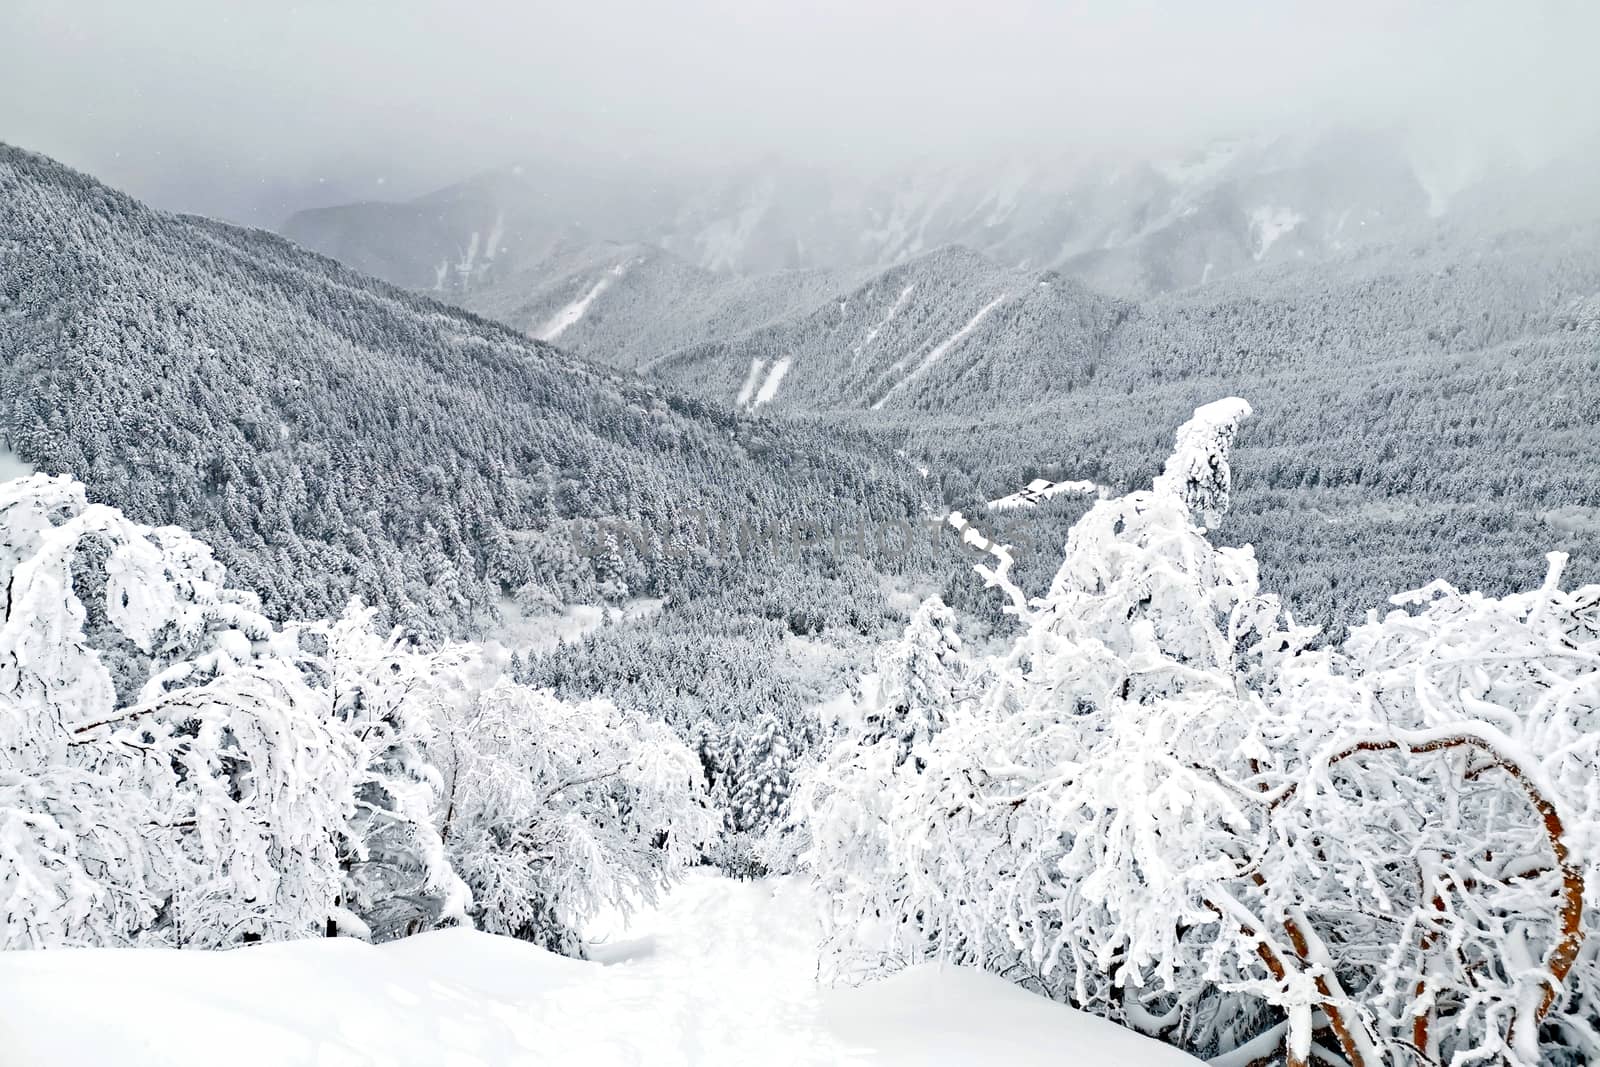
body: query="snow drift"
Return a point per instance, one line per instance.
(722, 981)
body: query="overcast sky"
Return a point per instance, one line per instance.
(250, 110)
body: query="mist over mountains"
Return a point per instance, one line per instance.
(1128, 224)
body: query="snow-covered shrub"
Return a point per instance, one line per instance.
(1480, 753)
(552, 809)
(387, 697)
(846, 807)
(202, 811)
(1165, 804)
(174, 769)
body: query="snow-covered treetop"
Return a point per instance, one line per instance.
(1198, 472)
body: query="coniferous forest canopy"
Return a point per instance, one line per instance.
(636, 592)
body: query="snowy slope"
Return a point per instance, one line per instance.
(564, 319)
(723, 973)
(916, 335)
(627, 304)
(11, 464)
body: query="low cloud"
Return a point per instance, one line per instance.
(250, 110)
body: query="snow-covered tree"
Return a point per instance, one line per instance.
(552, 809)
(204, 810)
(233, 781)
(387, 695)
(916, 680)
(1479, 754)
(845, 806)
(759, 772)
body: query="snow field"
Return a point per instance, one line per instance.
(722, 972)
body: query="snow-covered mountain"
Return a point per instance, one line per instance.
(182, 770)
(932, 327)
(1035, 321)
(331, 435)
(1128, 225)
(1037, 327)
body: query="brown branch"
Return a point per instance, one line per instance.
(1325, 985)
(131, 713)
(1561, 957)
(1419, 1025)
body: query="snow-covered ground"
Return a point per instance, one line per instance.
(769, 388)
(722, 973)
(1041, 489)
(11, 465)
(545, 631)
(1268, 224)
(748, 389)
(568, 316)
(750, 397)
(939, 350)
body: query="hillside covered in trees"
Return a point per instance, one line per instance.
(333, 436)
(1427, 402)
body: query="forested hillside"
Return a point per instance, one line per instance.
(950, 330)
(1427, 397)
(628, 304)
(1420, 348)
(1427, 406)
(331, 435)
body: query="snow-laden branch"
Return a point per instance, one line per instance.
(1156, 792)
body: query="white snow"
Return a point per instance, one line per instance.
(563, 320)
(747, 390)
(722, 973)
(469, 258)
(769, 387)
(1040, 489)
(497, 232)
(1268, 224)
(900, 302)
(11, 464)
(958, 1015)
(546, 631)
(940, 349)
